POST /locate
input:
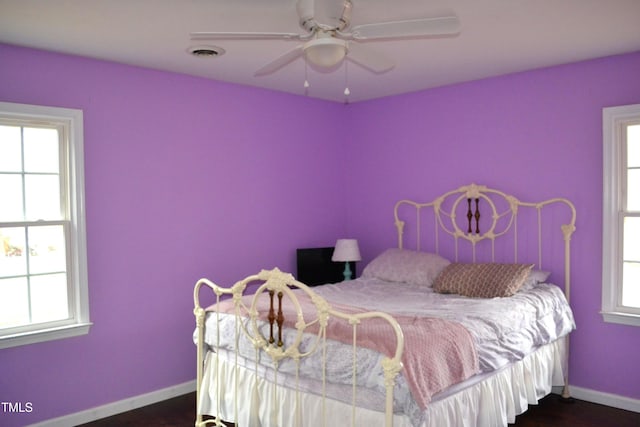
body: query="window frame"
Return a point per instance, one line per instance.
(71, 123)
(615, 121)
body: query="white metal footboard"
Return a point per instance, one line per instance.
(262, 317)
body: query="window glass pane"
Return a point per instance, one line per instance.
(631, 239)
(47, 252)
(14, 302)
(633, 146)
(13, 259)
(11, 198)
(631, 284)
(41, 150)
(633, 189)
(49, 298)
(10, 149)
(42, 198)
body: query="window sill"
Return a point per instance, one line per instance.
(45, 335)
(621, 318)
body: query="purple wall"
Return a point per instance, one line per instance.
(535, 134)
(185, 178)
(185, 175)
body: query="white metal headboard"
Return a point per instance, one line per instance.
(461, 215)
(487, 215)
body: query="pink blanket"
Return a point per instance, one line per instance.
(437, 353)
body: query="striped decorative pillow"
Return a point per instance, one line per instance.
(482, 280)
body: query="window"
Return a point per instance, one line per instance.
(621, 215)
(43, 274)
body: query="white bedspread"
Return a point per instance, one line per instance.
(505, 329)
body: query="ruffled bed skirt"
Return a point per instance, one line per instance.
(488, 400)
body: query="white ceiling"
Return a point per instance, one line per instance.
(497, 37)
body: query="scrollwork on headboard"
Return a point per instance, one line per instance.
(476, 213)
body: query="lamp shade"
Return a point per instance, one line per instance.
(346, 250)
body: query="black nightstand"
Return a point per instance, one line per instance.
(316, 268)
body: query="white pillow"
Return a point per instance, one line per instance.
(535, 277)
(406, 266)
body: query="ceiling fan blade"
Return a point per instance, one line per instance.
(204, 35)
(280, 62)
(305, 9)
(345, 15)
(306, 13)
(369, 58)
(334, 13)
(428, 27)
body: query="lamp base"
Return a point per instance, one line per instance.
(347, 271)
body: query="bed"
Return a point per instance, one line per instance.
(464, 322)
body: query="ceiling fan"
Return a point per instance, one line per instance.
(326, 45)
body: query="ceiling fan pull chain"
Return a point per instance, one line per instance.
(347, 92)
(306, 80)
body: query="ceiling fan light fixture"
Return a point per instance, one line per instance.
(325, 52)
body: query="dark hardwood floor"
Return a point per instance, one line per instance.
(550, 412)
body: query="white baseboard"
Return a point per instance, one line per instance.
(608, 399)
(118, 407)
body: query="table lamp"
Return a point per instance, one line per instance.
(346, 250)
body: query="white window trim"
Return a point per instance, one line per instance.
(81, 323)
(614, 120)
